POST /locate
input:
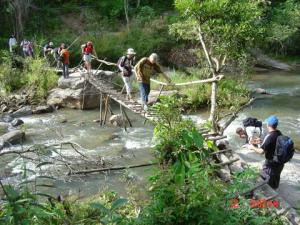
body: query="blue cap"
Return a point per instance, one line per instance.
(272, 121)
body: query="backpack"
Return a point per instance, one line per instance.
(284, 150)
(252, 122)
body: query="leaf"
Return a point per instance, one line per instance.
(198, 140)
(24, 200)
(46, 177)
(118, 203)
(100, 207)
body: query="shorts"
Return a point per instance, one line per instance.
(87, 58)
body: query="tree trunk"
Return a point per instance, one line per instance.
(138, 4)
(126, 6)
(213, 106)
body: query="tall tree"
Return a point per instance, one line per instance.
(225, 29)
(20, 10)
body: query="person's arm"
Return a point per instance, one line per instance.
(94, 52)
(159, 70)
(256, 149)
(82, 48)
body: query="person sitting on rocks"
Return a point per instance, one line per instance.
(252, 131)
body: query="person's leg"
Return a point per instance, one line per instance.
(67, 70)
(64, 70)
(147, 89)
(275, 176)
(126, 83)
(142, 93)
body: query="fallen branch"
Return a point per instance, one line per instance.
(111, 168)
(226, 163)
(234, 116)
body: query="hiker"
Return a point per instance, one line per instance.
(27, 48)
(56, 54)
(87, 50)
(144, 69)
(12, 43)
(278, 149)
(48, 48)
(251, 131)
(65, 54)
(126, 66)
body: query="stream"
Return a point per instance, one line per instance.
(134, 147)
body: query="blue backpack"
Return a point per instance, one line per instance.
(284, 150)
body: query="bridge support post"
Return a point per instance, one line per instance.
(101, 98)
(106, 108)
(123, 120)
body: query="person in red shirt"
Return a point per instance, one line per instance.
(65, 55)
(87, 50)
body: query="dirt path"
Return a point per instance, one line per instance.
(289, 187)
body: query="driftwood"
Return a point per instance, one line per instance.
(234, 116)
(226, 163)
(111, 168)
(222, 151)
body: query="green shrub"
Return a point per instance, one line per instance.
(34, 74)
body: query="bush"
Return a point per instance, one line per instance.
(34, 74)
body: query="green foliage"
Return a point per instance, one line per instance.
(16, 73)
(230, 27)
(282, 25)
(175, 136)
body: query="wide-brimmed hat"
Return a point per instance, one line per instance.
(130, 51)
(51, 43)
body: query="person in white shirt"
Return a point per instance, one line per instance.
(12, 43)
(252, 134)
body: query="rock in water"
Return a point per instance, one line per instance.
(3, 127)
(12, 137)
(17, 122)
(116, 120)
(24, 111)
(6, 118)
(43, 109)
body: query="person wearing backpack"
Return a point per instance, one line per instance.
(251, 131)
(87, 50)
(278, 150)
(126, 65)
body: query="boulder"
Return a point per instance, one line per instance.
(6, 118)
(116, 120)
(43, 109)
(12, 137)
(265, 61)
(24, 111)
(17, 122)
(74, 82)
(3, 127)
(69, 92)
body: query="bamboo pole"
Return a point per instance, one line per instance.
(101, 97)
(106, 109)
(111, 169)
(126, 116)
(122, 113)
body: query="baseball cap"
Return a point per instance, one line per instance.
(272, 120)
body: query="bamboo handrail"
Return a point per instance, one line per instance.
(209, 80)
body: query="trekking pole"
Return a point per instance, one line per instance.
(75, 40)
